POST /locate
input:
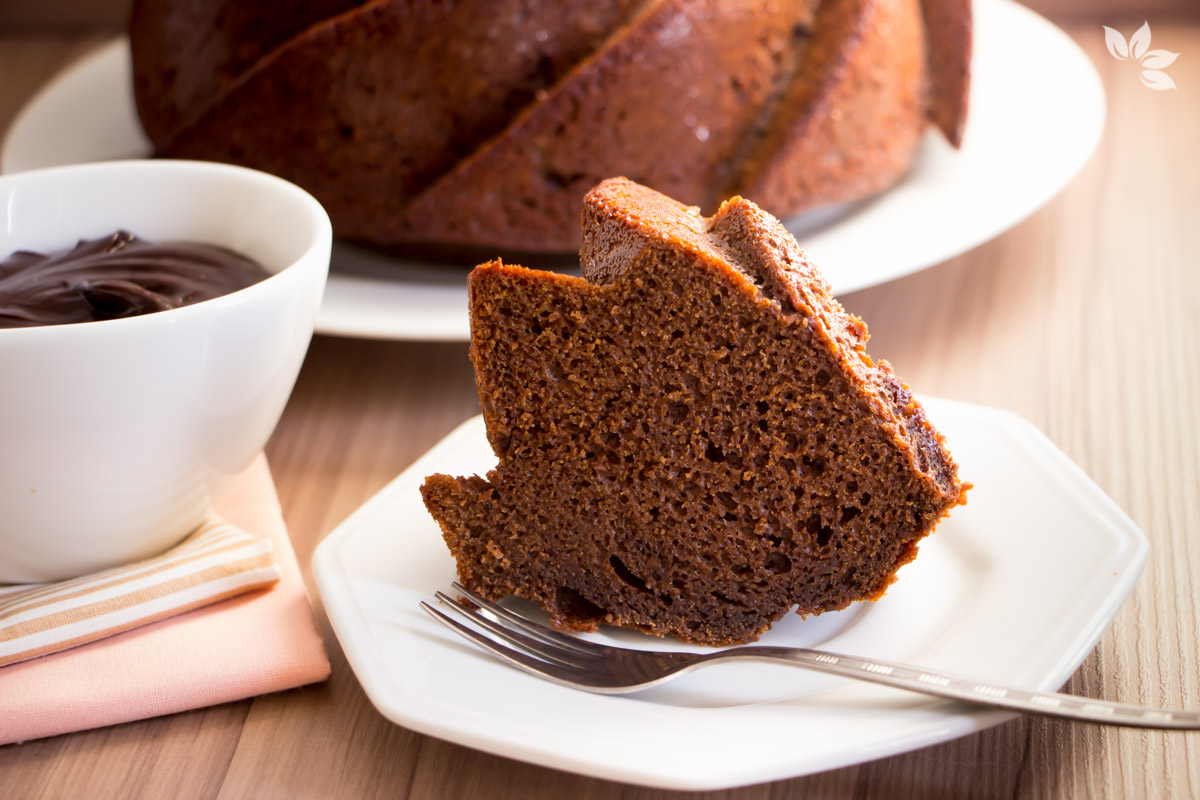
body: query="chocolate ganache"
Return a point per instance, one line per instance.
(118, 276)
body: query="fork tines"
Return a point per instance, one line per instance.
(524, 644)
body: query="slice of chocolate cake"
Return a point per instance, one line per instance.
(692, 439)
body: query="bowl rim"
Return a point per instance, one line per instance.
(316, 222)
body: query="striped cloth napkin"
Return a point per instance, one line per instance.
(215, 562)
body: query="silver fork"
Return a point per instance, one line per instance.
(593, 667)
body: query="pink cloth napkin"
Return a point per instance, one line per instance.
(248, 645)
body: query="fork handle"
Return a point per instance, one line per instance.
(971, 690)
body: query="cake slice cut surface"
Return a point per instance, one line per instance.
(692, 439)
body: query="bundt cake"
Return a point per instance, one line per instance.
(482, 123)
(692, 439)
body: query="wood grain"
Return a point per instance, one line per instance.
(1085, 319)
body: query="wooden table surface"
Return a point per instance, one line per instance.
(1085, 319)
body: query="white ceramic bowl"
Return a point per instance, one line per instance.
(115, 435)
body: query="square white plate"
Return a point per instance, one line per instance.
(1016, 586)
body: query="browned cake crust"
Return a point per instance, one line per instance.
(186, 55)
(670, 100)
(948, 31)
(850, 122)
(691, 439)
(368, 108)
(445, 127)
